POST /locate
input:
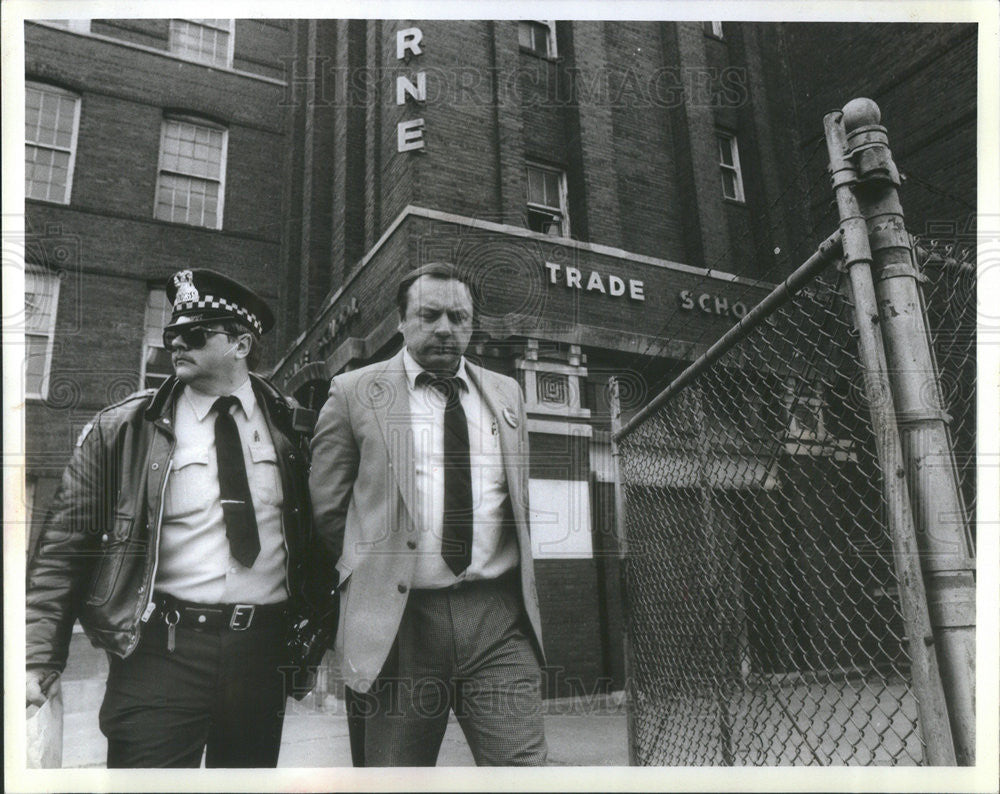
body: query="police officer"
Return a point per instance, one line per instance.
(178, 536)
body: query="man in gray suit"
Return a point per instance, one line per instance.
(419, 486)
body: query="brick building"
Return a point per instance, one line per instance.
(620, 192)
(151, 145)
(585, 174)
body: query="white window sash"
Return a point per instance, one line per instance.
(561, 210)
(561, 183)
(734, 169)
(229, 30)
(550, 39)
(221, 181)
(71, 165)
(49, 331)
(153, 326)
(551, 25)
(143, 374)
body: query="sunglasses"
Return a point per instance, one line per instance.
(194, 338)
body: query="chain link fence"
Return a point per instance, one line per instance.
(763, 616)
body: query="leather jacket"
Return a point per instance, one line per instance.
(97, 555)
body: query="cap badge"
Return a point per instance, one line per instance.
(186, 291)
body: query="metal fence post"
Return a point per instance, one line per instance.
(614, 405)
(939, 515)
(926, 678)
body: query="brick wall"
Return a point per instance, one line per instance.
(567, 594)
(923, 77)
(261, 44)
(457, 169)
(147, 32)
(617, 110)
(116, 249)
(646, 177)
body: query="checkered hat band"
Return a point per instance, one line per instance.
(211, 302)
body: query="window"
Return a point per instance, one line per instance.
(729, 166)
(547, 201)
(804, 404)
(537, 37)
(204, 40)
(156, 365)
(51, 121)
(713, 29)
(192, 173)
(41, 297)
(75, 25)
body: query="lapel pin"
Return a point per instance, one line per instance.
(510, 417)
(493, 427)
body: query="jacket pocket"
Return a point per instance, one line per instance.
(115, 547)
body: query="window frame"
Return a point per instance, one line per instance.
(74, 139)
(49, 333)
(563, 209)
(551, 52)
(735, 169)
(149, 340)
(713, 29)
(193, 57)
(224, 160)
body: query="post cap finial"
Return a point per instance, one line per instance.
(861, 112)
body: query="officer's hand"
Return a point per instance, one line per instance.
(34, 694)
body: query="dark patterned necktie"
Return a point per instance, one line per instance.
(456, 534)
(234, 490)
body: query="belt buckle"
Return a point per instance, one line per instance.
(242, 617)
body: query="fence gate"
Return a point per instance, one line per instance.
(764, 602)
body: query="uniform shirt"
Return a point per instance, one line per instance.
(194, 560)
(494, 546)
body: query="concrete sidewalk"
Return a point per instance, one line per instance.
(580, 731)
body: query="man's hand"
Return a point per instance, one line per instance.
(38, 683)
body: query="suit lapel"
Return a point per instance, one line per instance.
(389, 394)
(503, 406)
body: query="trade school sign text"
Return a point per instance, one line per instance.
(615, 286)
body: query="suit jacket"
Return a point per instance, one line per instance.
(364, 502)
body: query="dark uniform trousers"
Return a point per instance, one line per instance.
(219, 691)
(463, 649)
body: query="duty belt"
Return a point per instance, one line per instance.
(237, 617)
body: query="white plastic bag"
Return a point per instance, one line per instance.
(45, 731)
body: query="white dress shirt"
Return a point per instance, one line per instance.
(194, 560)
(494, 545)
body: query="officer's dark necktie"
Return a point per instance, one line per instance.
(456, 534)
(234, 490)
